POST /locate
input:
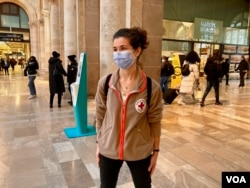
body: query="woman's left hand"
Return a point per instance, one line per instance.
(153, 161)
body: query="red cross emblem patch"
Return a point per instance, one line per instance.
(140, 105)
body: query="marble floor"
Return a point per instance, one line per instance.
(197, 144)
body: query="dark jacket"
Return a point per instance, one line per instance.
(212, 69)
(56, 83)
(2, 63)
(167, 69)
(31, 67)
(225, 67)
(243, 66)
(72, 72)
(6, 64)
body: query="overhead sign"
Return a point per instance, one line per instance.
(11, 37)
(208, 30)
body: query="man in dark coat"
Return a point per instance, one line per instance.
(243, 67)
(56, 83)
(213, 71)
(167, 70)
(71, 73)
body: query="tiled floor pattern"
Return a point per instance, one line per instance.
(197, 144)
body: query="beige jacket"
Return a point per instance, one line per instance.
(126, 130)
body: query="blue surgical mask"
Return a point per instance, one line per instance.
(123, 59)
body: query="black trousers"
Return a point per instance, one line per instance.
(52, 98)
(227, 77)
(242, 79)
(215, 85)
(109, 171)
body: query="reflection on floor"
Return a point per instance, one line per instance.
(197, 144)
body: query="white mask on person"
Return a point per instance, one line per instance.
(123, 59)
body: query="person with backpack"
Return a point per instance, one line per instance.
(167, 70)
(190, 76)
(128, 128)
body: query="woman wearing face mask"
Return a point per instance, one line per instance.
(128, 128)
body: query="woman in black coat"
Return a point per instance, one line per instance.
(56, 82)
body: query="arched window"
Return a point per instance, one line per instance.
(237, 33)
(13, 16)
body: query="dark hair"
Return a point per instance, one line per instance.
(165, 58)
(192, 57)
(137, 37)
(33, 57)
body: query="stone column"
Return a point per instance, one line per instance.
(142, 13)
(92, 41)
(54, 26)
(46, 36)
(70, 29)
(43, 18)
(152, 21)
(33, 36)
(112, 17)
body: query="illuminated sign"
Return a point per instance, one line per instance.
(11, 37)
(208, 30)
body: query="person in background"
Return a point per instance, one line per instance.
(56, 82)
(213, 73)
(1, 63)
(22, 62)
(128, 129)
(243, 67)
(225, 70)
(190, 82)
(31, 71)
(71, 73)
(13, 63)
(167, 70)
(6, 65)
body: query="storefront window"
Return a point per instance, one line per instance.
(236, 36)
(170, 47)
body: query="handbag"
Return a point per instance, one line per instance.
(198, 92)
(185, 70)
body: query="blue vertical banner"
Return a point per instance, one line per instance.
(80, 102)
